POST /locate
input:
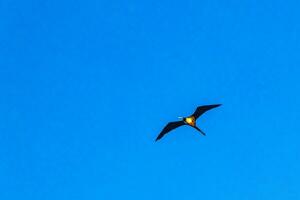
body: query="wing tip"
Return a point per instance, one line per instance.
(158, 138)
(216, 105)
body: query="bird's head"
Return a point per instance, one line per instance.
(181, 118)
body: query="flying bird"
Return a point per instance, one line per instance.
(190, 120)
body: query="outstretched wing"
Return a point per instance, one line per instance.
(202, 109)
(170, 126)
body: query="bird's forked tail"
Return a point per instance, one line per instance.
(199, 130)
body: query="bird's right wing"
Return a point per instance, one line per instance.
(170, 126)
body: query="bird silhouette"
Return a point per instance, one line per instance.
(190, 120)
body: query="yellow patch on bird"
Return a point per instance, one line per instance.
(190, 120)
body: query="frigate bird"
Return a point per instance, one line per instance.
(190, 120)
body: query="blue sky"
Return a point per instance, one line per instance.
(86, 86)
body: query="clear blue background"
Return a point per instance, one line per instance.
(86, 86)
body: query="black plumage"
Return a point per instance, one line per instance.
(170, 126)
(190, 121)
(202, 109)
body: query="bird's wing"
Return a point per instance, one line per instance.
(170, 126)
(202, 109)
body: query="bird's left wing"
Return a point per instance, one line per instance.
(170, 126)
(202, 109)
